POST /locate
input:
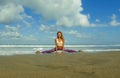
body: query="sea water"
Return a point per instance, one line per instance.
(31, 49)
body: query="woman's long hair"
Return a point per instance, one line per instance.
(62, 37)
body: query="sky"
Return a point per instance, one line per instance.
(80, 21)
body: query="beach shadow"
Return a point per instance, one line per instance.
(53, 67)
(89, 74)
(93, 61)
(86, 73)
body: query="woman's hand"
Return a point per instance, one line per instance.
(56, 53)
(62, 52)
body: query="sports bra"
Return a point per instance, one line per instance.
(59, 43)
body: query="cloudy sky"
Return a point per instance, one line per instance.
(81, 21)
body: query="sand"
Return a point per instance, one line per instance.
(78, 65)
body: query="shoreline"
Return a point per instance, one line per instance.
(80, 51)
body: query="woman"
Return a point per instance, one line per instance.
(59, 45)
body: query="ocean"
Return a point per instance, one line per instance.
(31, 49)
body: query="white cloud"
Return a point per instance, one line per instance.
(13, 29)
(72, 32)
(119, 9)
(29, 38)
(77, 20)
(55, 8)
(97, 20)
(77, 34)
(51, 37)
(67, 13)
(10, 12)
(11, 32)
(88, 16)
(50, 29)
(28, 24)
(4, 2)
(114, 21)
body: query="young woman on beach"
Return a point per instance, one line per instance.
(59, 45)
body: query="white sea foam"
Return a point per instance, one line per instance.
(54, 45)
(31, 49)
(102, 50)
(38, 49)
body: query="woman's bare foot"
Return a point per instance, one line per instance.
(56, 53)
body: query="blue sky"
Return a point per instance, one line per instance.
(81, 21)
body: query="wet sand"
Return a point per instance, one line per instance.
(78, 65)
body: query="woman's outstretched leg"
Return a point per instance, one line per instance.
(70, 51)
(53, 50)
(48, 51)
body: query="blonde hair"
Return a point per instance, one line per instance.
(62, 37)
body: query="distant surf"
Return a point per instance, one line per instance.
(31, 49)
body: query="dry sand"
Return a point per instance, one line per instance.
(78, 65)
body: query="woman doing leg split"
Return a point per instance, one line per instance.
(59, 45)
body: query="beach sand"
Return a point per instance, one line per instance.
(77, 65)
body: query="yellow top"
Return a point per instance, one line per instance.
(59, 43)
